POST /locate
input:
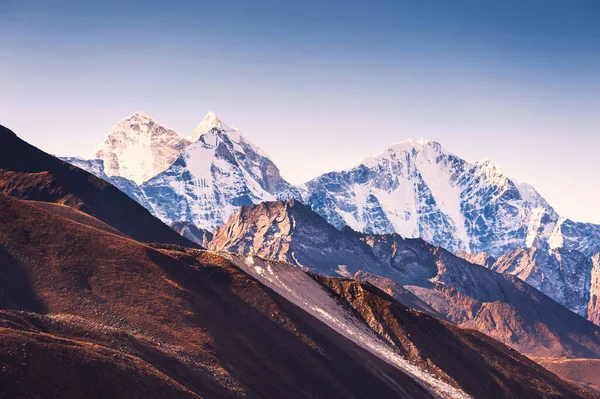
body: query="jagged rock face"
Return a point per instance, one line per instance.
(594, 303)
(138, 148)
(418, 189)
(468, 295)
(266, 229)
(399, 293)
(561, 274)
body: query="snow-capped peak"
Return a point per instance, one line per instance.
(418, 145)
(138, 147)
(488, 165)
(408, 146)
(210, 122)
(138, 115)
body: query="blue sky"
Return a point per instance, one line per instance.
(321, 85)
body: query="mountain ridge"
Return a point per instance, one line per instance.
(414, 188)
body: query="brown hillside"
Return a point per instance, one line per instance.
(200, 322)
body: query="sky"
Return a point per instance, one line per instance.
(320, 85)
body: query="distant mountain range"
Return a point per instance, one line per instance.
(415, 189)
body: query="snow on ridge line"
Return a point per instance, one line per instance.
(299, 288)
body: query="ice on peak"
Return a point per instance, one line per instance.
(410, 146)
(138, 148)
(211, 116)
(416, 144)
(421, 142)
(489, 167)
(210, 122)
(138, 115)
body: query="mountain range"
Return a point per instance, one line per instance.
(97, 300)
(458, 241)
(414, 188)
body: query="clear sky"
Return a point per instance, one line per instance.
(321, 84)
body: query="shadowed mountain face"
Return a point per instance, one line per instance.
(582, 371)
(469, 295)
(29, 173)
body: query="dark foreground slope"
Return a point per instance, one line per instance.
(88, 313)
(29, 173)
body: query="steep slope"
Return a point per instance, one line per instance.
(418, 189)
(499, 305)
(463, 359)
(138, 148)
(212, 177)
(187, 322)
(452, 353)
(41, 364)
(567, 276)
(583, 237)
(396, 291)
(75, 215)
(28, 173)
